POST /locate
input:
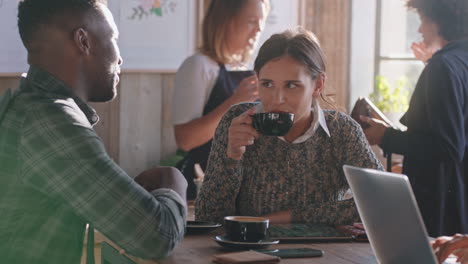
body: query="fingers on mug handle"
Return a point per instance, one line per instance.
(250, 112)
(246, 117)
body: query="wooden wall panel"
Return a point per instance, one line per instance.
(330, 21)
(8, 83)
(140, 123)
(168, 144)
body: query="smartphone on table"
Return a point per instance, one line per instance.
(293, 252)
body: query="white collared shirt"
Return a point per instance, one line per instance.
(319, 120)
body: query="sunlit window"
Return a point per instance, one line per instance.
(397, 29)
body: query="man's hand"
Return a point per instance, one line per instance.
(163, 177)
(456, 245)
(376, 131)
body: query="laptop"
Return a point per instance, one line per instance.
(391, 218)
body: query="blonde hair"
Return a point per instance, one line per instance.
(219, 15)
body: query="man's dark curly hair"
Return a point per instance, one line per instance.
(450, 15)
(32, 14)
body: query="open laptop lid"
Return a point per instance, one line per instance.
(391, 217)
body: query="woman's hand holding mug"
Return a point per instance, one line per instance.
(241, 135)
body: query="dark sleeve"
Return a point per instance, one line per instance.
(443, 101)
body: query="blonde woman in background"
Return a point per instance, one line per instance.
(214, 78)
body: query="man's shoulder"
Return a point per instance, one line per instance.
(36, 106)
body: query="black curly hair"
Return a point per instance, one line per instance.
(32, 14)
(450, 15)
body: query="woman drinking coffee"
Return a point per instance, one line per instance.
(296, 177)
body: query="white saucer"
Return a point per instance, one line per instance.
(226, 242)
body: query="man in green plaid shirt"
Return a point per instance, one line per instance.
(55, 175)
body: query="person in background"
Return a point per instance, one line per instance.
(435, 143)
(210, 81)
(55, 174)
(295, 178)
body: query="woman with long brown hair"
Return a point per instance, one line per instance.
(297, 177)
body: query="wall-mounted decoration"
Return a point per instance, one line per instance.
(145, 8)
(155, 35)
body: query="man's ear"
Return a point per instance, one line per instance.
(82, 41)
(319, 85)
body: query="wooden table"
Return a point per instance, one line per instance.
(199, 249)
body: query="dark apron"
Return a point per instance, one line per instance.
(225, 86)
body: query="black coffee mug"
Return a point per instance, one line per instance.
(273, 124)
(246, 228)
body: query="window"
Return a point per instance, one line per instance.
(396, 30)
(381, 35)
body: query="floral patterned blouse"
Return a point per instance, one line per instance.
(274, 175)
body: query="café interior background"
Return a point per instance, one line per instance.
(361, 38)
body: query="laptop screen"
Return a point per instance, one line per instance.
(391, 217)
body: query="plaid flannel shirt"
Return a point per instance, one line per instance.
(55, 176)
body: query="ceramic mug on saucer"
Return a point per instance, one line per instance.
(246, 228)
(272, 124)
